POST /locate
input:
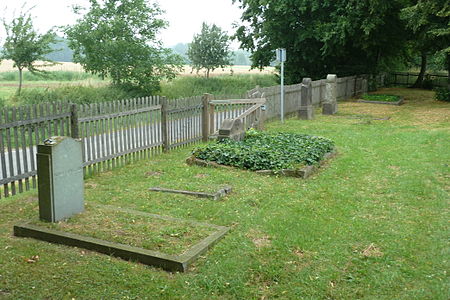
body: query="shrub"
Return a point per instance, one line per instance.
(442, 94)
(267, 151)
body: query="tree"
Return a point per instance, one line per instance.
(429, 22)
(24, 46)
(118, 39)
(210, 49)
(322, 36)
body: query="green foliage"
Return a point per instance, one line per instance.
(442, 94)
(322, 36)
(267, 151)
(381, 97)
(74, 94)
(210, 49)
(429, 23)
(118, 39)
(218, 85)
(53, 76)
(24, 46)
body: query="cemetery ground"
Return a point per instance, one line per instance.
(371, 224)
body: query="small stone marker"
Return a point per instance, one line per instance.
(60, 173)
(231, 129)
(330, 104)
(306, 111)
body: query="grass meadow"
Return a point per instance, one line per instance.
(372, 224)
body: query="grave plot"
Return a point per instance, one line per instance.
(381, 99)
(287, 154)
(165, 242)
(161, 241)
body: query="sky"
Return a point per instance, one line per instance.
(185, 17)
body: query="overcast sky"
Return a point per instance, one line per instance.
(185, 16)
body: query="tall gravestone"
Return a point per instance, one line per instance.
(330, 105)
(306, 111)
(60, 174)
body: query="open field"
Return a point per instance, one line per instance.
(7, 65)
(372, 224)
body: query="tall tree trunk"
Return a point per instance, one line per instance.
(20, 81)
(207, 73)
(423, 69)
(448, 70)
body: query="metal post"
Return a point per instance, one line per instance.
(282, 91)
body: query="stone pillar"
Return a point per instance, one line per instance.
(306, 111)
(60, 173)
(330, 105)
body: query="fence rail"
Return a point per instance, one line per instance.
(117, 132)
(408, 78)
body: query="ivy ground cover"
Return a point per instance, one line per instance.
(381, 97)
(267, 151)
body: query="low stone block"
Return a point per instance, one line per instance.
(306, 113)
(329, 108)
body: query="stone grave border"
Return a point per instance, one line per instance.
(302, 173)
(399, 102)
(173, 263)
(214, 196)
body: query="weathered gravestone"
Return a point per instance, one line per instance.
(60, 173)
(231, 129)
(330, 105)
(306, 111)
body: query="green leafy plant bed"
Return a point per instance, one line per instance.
(381, 99)
(287, 154)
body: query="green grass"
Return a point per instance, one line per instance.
(381, 97)
(187, 86)
(143, 231)
(372, 224)
(47, 76)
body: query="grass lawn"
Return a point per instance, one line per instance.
(372, 224)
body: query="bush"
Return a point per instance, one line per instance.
(74, 94)
(267, 151)
(442, 94)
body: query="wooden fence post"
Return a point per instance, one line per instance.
(211, 115)
(164, 125)
(205, 117)
(74, 129)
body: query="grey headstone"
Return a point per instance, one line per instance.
(306, 111)
(330, 105)
(60, 174)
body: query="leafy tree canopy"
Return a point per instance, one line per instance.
(24, 46)
(322, 36)
(210, 49)
(118, 39)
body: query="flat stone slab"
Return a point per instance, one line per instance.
(303, 173)
(216, 196)
(173, 263)
(399, 102)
